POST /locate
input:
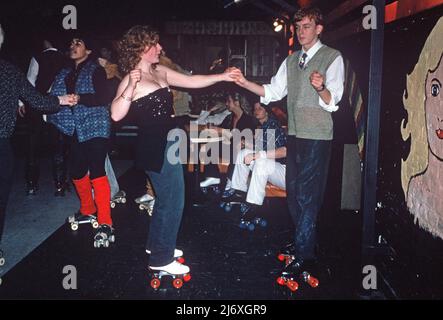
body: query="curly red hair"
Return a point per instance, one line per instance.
(132, 45)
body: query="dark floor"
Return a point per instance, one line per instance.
(226, 262)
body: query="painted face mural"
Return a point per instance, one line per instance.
(421, 171)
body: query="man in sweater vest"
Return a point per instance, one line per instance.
(313, 80)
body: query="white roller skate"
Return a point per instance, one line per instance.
(120, 197)
(78, 218)
(210, 184)
(146, 202)
(177, 271)
(178, 255)
(104, 236)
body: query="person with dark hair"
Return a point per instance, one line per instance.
(15, 86)
(42, 70)
(239, 119)
(88, 123)
(313, 79)
(146, 90)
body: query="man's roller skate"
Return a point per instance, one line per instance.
(232, 197)
(178, 255)
(210, 184)
(119, 197)
(246, 222)
(80, 218)
(177, 271)
(104, 236)
(287, 254)
(296, 271)
(146, 202)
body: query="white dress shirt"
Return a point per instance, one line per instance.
(334, 81)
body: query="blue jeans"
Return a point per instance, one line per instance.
(6, 173)
(307, 164)
(169, 187)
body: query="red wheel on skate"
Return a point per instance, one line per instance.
(292, 285)
(281, 257)
(181, 260)
(313, 282)
(281, 281)
(155, 283)
(177, 283)
(187, 277)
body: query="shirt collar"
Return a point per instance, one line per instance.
(312, 51)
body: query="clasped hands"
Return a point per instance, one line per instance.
(69, 99)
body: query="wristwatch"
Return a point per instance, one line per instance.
(322, 88)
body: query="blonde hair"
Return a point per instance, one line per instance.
(414, 99)
(2, 36)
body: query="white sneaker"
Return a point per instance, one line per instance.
(173, 268)
(144, 198)
(177, 253)
(209, 182)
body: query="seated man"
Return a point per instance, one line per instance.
(266, 163)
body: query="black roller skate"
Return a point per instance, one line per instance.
(178, 255)
(79, 218)
(2, 259)
(104, 236)
(298, 270)
(119, 197)
(31, 188)
(210, 184)
(60, 189)
(177, 271)
(287, 254)
(248, 210)
(231, 198)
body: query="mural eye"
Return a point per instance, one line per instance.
(435, 89)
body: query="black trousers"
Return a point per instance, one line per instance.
(88, 156)
(6, 174)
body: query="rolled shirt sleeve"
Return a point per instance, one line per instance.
(335, 79)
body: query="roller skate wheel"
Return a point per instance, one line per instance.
(204, 190)
(216, 190)
(281, 257)
(177, 283)
(112, 204)
(187, 277)
(123, 200)
(141, 206)
(222, 205)
(112, 238)
(181, 260)
(228, 207)
(1, 281)
(263, 223)
(313, 282)
(74, 226)
(281, 281)
(242, 225)
(106, 243)
(292, 285)
(96, 244)
(251, 227)
(150, 211)
(95, 224)
(2, 261)
(155, 283)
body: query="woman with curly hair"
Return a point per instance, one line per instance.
(146, 90)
